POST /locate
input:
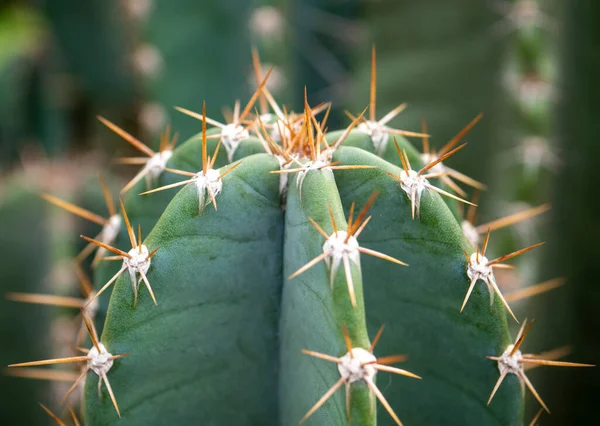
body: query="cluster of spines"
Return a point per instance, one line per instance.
(298, 139)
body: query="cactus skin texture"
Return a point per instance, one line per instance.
(224, 345)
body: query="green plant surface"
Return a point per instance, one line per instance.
(147, 209)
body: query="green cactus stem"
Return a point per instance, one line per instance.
(225, 342)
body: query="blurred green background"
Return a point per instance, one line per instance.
(531, 66)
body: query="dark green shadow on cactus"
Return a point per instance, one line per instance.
(419, 306)
(208, 353)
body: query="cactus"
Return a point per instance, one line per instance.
(229, 327)
(530, 87)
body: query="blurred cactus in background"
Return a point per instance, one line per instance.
(572, 314)
(244, 299)
(443, 60)
(26, 266)
(325, 37)
(30, 109)
(38, 245)
(185, 52)
(530, 162)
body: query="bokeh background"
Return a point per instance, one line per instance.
(531, 66)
